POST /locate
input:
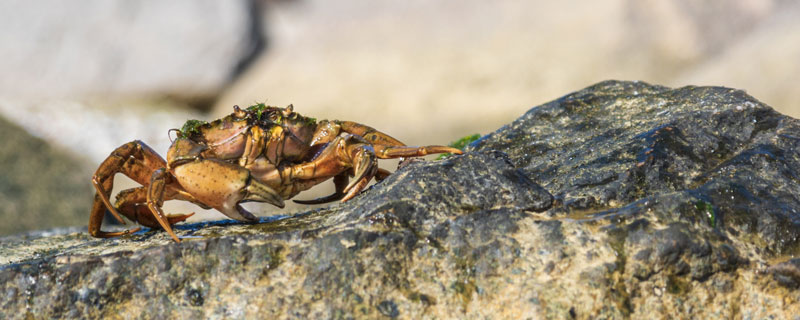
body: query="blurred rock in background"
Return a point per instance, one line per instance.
(40, 186)
(90, 75)
(432, 71)
(185, 49)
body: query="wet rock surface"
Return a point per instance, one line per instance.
(622, 200)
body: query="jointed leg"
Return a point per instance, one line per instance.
(344, 153)
(155, 199)
(365, 166)
(382, 174)
(133, 159)
(340, 182)
(369, 134)
(137, 161)
(352, 146)
(387, 147)
(388, 152)
(133, 203)
(96, 221)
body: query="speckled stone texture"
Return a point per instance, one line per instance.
(622, 200)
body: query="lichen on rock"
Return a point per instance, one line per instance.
(620, 200)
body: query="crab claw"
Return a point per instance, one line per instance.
(255, 191)
(258, 192)
(223, 186)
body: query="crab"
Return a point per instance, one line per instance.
(261, 154)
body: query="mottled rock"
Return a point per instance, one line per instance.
(620, 200)
(787, 273)
(351, 259)
(688, 185)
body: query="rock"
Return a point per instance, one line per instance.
(787, 273)
(620, 200)
(40, 186)
(702, 155)
(692, 187)
(422, 210)
(185, 49)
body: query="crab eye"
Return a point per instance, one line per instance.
(239, 113)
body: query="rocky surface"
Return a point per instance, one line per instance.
(622, 200)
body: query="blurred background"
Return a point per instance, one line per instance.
(79, 78)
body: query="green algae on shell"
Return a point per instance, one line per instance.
(191, 127)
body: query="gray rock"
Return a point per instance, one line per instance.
(787, 273)
(186, 49)
(665, 203)
(688, 185)
(40, 186)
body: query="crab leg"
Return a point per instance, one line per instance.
(385, 146)
(137, 161)
(369, 134)
(351, 152)
(382, 174)
(155, 199)
(365, 166)
(133, 203)
(385, 152)
(134, 159)
(343, 153)
(340, 182)
(351, 146)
